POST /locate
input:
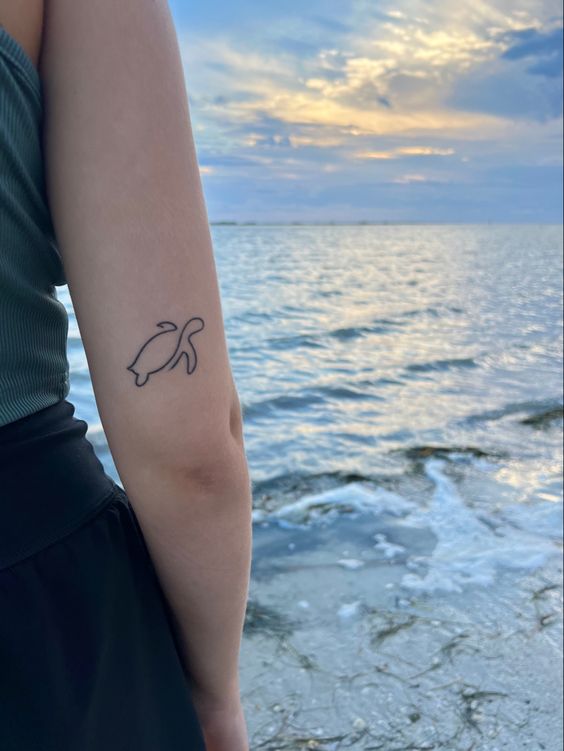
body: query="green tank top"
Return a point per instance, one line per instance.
(34, 370)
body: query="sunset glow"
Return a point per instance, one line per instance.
(426, 112)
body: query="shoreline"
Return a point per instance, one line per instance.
(338, 656)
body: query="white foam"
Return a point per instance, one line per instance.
(354, 497)
(389, 549)
(468, 551)
(542, 517)
(351, 563)
(472, 547)
(349, 610)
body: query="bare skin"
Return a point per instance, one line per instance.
(24, 22)
(221, 716)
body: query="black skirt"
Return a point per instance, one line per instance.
(89, 660)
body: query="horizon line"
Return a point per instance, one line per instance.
(383, 222)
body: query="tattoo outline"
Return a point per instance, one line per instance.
(155, 355)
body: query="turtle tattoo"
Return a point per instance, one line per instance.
(165, 350)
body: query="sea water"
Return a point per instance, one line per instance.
(421, 361)
(401, 390)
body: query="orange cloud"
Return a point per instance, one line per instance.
(405, 151)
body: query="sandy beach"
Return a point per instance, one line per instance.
(338, 655)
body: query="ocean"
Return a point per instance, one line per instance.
(390, 354)
(401, 388)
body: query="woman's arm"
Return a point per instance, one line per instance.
(125, 194)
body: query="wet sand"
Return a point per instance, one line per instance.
(338, 655)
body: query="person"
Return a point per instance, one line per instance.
(122, 608)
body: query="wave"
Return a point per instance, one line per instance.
(442, 365)
(307, 398)
(539, 411)
(471, 547)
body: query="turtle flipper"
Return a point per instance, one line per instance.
(142, 379)
(180, 356)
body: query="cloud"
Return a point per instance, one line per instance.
(525, 82)
(275, 90)
(407, 179)
(404, 151)
(544, 48)
(282, 93)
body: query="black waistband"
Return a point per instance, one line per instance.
(51, 480)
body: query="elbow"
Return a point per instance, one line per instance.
(216, 457)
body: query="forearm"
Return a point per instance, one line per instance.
(200, 539)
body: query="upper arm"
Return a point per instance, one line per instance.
(125, 195)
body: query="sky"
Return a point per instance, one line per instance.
(367, 110)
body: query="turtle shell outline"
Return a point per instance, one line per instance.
(153, 356)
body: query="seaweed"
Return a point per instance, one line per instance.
(266, 620)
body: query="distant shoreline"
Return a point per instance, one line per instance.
(379, 224)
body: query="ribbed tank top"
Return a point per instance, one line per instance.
(34, 369)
